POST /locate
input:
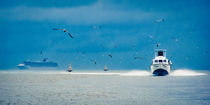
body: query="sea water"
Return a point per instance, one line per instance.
(131, 87)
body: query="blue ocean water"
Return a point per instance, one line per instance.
(134, 87)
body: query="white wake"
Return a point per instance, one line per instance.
(137, 73)
(179, 72)
(186, 72)
(117, 72)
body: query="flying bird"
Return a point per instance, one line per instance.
(110, 55)
(45, 59)
(159, 20)
(151, 36)
(133, 47)
(102, 47)
(64, 30)
(94, 60)
(158, 45)
(96, 27)
(175, 39)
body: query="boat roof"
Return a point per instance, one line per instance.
(160, 49)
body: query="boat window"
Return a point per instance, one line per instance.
(160, 60)
(164, 60)
(160, 53)
(156, 61)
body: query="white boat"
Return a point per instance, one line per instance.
(69, 69)
(161, 66)
(38, 65)
(105, 68)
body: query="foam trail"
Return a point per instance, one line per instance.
(179, 72)
(137, 73)
(131, 73)
(89, 73)
(185, 72)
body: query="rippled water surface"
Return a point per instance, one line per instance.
(136, 87)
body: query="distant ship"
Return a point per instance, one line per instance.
(44, 64)
(69, 69)
(105, 68)
(161, 66)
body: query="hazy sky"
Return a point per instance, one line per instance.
(123, 28)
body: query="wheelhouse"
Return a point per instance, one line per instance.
(160, 57)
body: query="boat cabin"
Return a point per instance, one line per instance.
(160, 57)
(160, 53)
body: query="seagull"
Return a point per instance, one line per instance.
(158, 45)
(102, 47)
(94, 60)
(110, 55)
(80, 52)
(159, 20)
(151, 36)
(175, 39)
(45, 59)
(64, 30)
(133, 47)
(96, 27)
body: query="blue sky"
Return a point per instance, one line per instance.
(117, 25)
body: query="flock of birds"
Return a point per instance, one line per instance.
(94, 60)
(133, 46)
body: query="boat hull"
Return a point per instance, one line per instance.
(69, 70)
(160, 72)
(160, 69)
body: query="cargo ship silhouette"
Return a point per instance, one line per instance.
(44, 64)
